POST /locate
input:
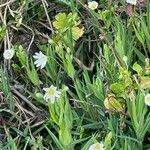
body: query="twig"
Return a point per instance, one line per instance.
(43, 25)
(32, 36)
(24, 110)
(7, 3)
(46, 12)
(43, 35)
(90, 68)
(25, 99)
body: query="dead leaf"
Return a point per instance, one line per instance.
(129, 9)
(142, 3)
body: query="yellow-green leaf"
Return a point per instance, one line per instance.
(61, 21)
(113, 104)
(77, 32)
(145, 82)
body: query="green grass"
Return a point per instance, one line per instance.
(97, 59)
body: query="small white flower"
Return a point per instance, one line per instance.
(51, 93)
(8, 54)
(41, 59)
(147, 99)
(132, 2)
(97, 146)
(93, 5)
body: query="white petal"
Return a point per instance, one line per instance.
(43, 65)
(40, 53)
(35, 56)
(147, 101)
(38, 65)
(58, 92)
(52, 86)
(41, 60)
(133, 2)
(36, 62)
(46, 89)
(52, 100)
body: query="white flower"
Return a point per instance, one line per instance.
(93, 5)
(8, 54)
(147, 99)
(51, 93)
(132, 2)
(41, 60)
(97, 146)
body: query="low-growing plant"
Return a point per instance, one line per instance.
(74, 75)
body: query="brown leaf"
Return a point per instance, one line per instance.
(129, 9)
(142, 3)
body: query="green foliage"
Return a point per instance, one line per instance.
(65, 23)
(106, 16)
(137, 68)
(97, 69)
(61, 114)
(140, 119)
(27, 65)
(5, 87)
(22, 55)
(32, 74)
(2, 32)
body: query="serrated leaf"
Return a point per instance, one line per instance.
(77, 32)
(61, 21)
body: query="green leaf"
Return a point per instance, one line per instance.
(59, 145)
(77, 32)
(108, 139)
(65, 21)
(139, 35)
(32, 74)
(68, 22)
(117, 88)
(61, 21)
(136, 67)
(107, 53)
(22, 55)
(2, 31)
(113, 104)
(67, 2)
(5, 87)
